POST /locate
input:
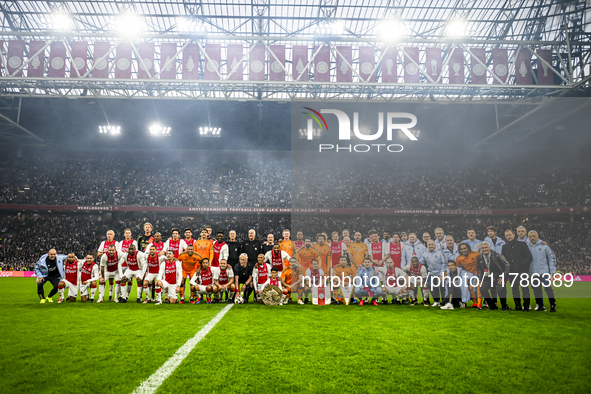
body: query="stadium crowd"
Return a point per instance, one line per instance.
(275, 182)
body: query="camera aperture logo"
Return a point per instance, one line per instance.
(345, 131)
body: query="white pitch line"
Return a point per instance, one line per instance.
(151, 384)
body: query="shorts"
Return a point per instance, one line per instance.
(170, 288)
(151, 277)
(261, 286)
(393, 290)
(129, 274)
(113, 275)
(201, 289)
(72, 288)
(189, 274)
(84, 289)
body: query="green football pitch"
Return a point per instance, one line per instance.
(112, 348)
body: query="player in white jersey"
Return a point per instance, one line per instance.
(132, 265)
(391, 284)
(261, 274)
(152, 270)
(276, 258)
(104, 246)
(110, 272)
(89, 276)
(223, 282)
(70, 280)
(169, 278)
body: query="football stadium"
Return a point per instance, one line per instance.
(264, 196)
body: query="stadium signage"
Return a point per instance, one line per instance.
(344, 132)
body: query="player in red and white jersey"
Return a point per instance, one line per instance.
(391, 284)
(376, 249)
(275, 280)
(417, 277)
(189, 240)
(152, 269)
(176, 244)
(132, 265)
(277, 258)
(202, 281)
(158, 244)
(223, 282)
(337, 249)
(89, 276)
(104, 246)
(70, 280)
(300, 242)
(220, 250)
(169, 278)
(395, 250)
(261, 274)
(124, 247)
(110, 272)
(312, 277)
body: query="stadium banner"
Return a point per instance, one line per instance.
(344, 62)
(145, 68)
(256, 63)
(17, 274)
(478, 66)
(101, 66)
(322, 63)
(544, 72)
(168, 60)
(433, 64)
(123, 60)
(411, 70)
(367, 62)
(276, 61)
(37, 63)
(500, 65)
(16, 50)
(456, 66)
(191, 61)
(57, 60)
(78, 62)
(213, 61)
(299, 63)
(390, 65)
(523, 67)
(234, 56)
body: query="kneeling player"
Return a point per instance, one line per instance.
(89, 276)
(417, 277)
(70, 280)
(135, 267)
(275, 280)
(223, 279)
(169, 278)
(390, 282)
(190, 262)
(342, 271)
(313, 275)
(202, 281)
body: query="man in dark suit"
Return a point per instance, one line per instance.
(519, 257)
(490, 266)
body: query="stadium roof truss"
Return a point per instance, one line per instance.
(516, 25)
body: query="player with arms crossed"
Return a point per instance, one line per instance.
(124, 247)
(153, 269)
(110, 261)
(277, 258)
(169, 277)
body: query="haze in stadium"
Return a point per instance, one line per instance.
(313, 196)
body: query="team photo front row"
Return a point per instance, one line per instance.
(338, 272)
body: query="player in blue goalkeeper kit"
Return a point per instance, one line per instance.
(368, 284)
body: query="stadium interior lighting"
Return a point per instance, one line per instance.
(208, 131)
(391, 30)
(190, 26)
(456, 28)
(158, 129)
(110, 130)
(60, 21)
(129, 25)
(335, 28)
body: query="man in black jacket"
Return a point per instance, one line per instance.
(252, 247)
(519, 257)
(233, 249)
(490, 265)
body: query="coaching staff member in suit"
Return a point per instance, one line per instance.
(519, 257)
(490, 263)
